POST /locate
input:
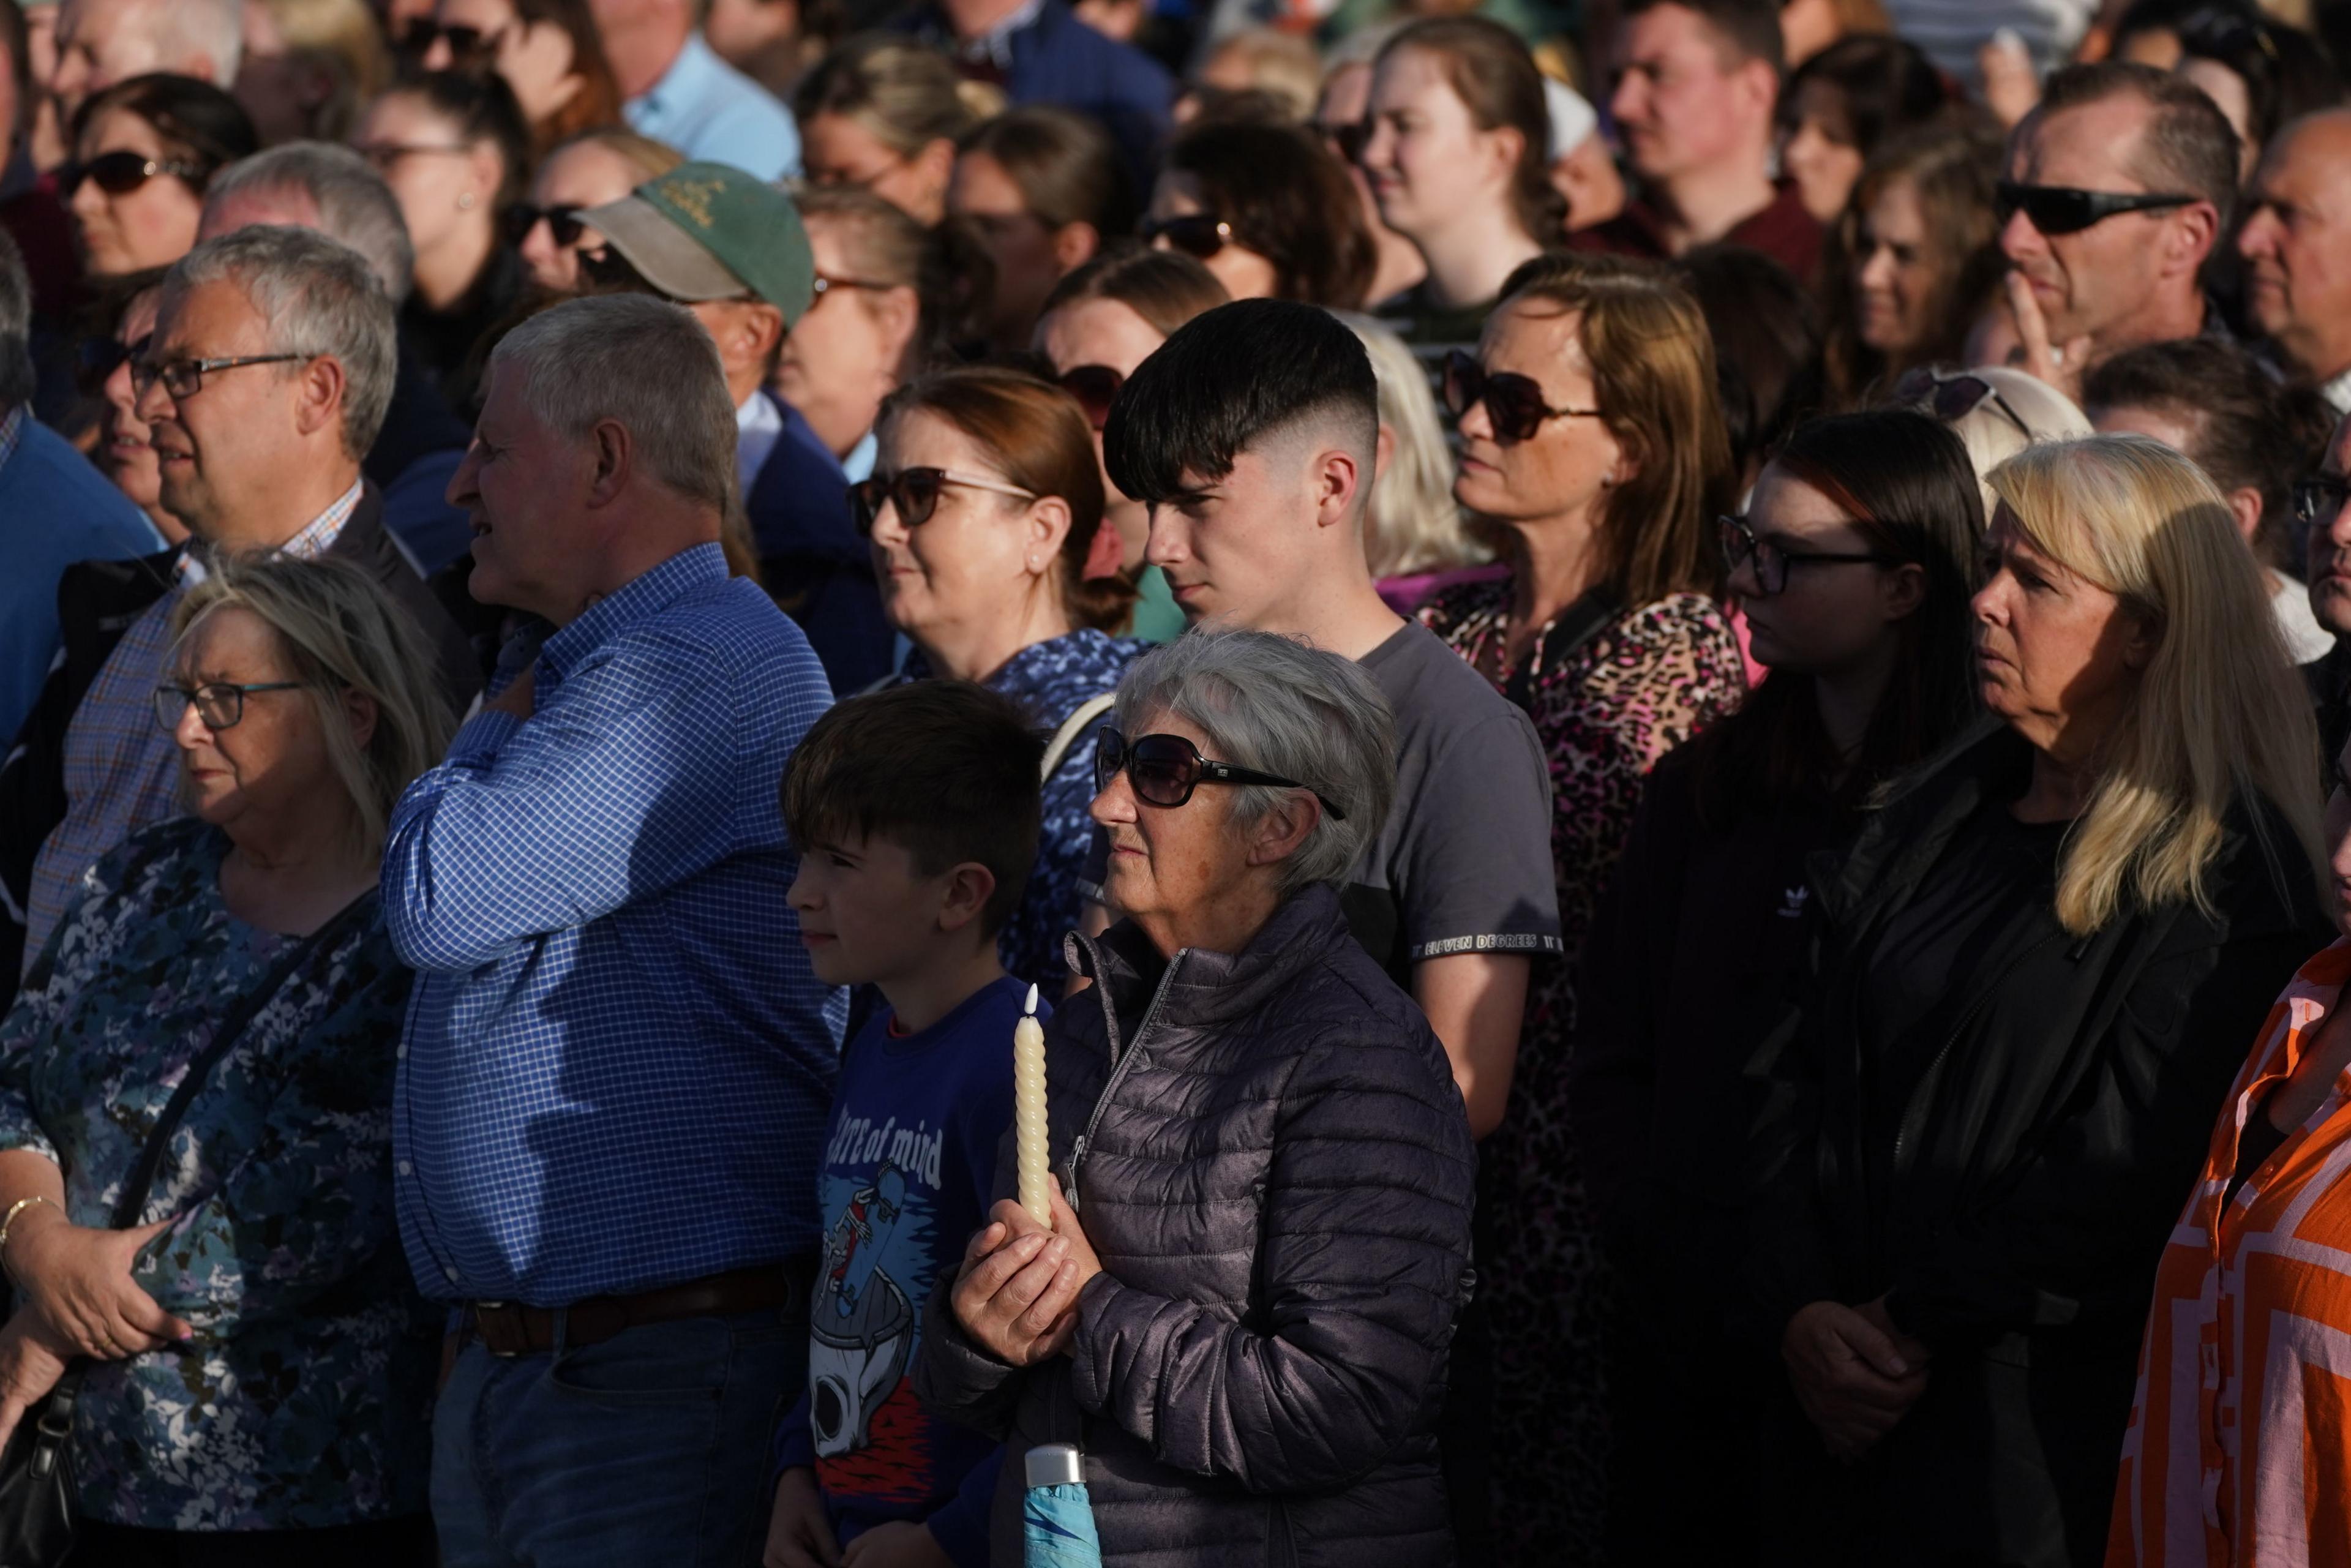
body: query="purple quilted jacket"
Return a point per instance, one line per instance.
(1273, 1161)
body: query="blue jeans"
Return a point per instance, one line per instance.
(649, 1447)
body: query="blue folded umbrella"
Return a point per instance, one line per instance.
(1056, 1520)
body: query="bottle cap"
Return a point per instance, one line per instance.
(1056, 1464)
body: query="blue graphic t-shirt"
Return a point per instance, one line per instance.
(909, 1157)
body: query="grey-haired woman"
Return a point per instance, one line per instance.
(1241, 1311)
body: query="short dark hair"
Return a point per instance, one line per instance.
(1224, 382)
(480, 107)
(947, 768)
(1165, 287)
(2245, 430)
(1877, 87)
(2188, 147)
(1749, 29)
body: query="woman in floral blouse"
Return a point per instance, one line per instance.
(261, 1363)
(986, 514)
(1590, 431)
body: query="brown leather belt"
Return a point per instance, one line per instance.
(511, 1329)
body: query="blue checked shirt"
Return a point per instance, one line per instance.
(618, 1060)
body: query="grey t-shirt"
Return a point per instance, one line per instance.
(1463, 862)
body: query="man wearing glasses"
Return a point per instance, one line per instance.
(2118, 186)
(2318, 505)
(265, 379)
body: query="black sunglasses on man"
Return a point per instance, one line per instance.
(2062, 210)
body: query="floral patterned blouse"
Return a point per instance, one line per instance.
(302, 1400)
(1051, 680)
(1605, 711)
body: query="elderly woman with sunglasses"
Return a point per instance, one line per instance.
(144, 150)
(1591, 433)
(231, 969)
(984, 513)
(1241, 1312)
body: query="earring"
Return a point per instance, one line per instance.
(465, 201)
(1032, 563)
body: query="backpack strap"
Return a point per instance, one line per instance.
(1076, 725)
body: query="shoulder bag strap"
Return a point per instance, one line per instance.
(133, 1198)
(1577, 624)
(1076, 725)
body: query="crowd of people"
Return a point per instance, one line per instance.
(1654, 696)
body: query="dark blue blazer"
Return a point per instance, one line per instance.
(1059, 60)
(812, 559)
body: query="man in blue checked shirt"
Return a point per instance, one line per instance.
(618, 1060)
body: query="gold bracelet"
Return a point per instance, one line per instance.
(7, 1223)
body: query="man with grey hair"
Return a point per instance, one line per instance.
(319, 185)
(612, 997)
(265, 379)
(101, 42)
(55, 509)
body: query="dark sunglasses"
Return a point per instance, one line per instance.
(2062, 210)
(1095, 387)
(1166, 769)
(2318, 498)
(1951, 399)
(1770, 560)
(99, 358)
(1513, 402)
(465, 43)
(120, 173)
(915, 492)
(1347, 141)
(1200, 235)
(562, 222)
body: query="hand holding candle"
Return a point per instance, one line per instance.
(1032, 1138)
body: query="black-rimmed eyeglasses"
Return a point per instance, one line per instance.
(1166, 769)
(220, 704)
(185, 377)
(1770, 560)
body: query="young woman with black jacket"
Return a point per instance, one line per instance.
(1852, 563)
(2034, 977)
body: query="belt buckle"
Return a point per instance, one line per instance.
(511, 1349)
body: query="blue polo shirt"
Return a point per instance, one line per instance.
(709, 110)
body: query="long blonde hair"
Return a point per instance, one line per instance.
(340, 632)
(1413, 524)
(2221, 714)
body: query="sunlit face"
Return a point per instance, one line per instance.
(1570, 462)
(2088, 281)
(126, 450)
(1429, 164)
(2296, 244)
(1168, 862)
(2058, 657)
(1676, 105)
(1245, 274)
(1346, 103)
(582, 176)
(273, 762)
(525, 490)
(445, 187)
(1820, 155)
(1026, 250)
(1239, 550)
(836, 149)
(223, 449)
(967, 564)
(1831, 617)
(1897, 281)
(151, 226)
(841, 358)
(1109, 333)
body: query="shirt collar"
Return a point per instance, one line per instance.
(758, 425)
(2337, 391)
(688, 78)
(648, 593)
(316, 539)
(858, 465)
(12, 433)
(995, 46)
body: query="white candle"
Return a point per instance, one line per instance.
(1032, 1139)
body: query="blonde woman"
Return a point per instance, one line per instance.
(2036, 971)
(883, 113)
(240, 948)
(1414, 533)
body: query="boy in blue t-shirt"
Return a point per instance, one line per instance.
(915, 814)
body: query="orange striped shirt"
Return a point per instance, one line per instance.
(2239, 1451)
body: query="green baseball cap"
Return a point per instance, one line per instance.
(704, 231)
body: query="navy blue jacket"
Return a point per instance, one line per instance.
(812, 559)
(1059, 61)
